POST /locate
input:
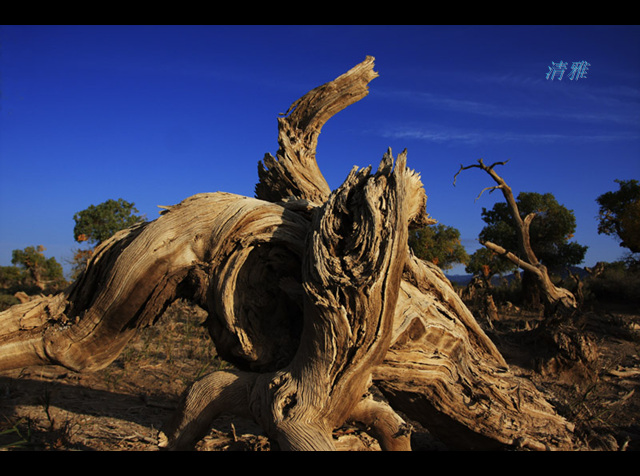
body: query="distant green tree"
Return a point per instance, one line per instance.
(619, 214)
(10, 276)
(550, 231)
(98, 223)
(37, 269)
(439, 244)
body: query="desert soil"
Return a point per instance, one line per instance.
(122, 407)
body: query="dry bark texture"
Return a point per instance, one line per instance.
(313, 295)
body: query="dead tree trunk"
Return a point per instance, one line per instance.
(555, 299)
(313, 295)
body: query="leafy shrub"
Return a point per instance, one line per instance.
(6, 301)
(618, 282)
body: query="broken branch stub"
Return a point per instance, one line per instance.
(294, 172)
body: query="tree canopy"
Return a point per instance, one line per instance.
(550, 230)
(31, 268)
(439, 244)
(619, 214)
(99, 222)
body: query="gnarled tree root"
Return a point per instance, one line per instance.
(231, 391)
(214, 394)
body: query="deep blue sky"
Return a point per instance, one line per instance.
(155, 114)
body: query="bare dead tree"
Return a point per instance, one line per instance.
(554, 298)
(312, 294)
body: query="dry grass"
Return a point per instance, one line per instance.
(120, 407)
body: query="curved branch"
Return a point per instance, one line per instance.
(384, 424)
(552, 293)
(135, 275)
(519, 225)
(214, 394)
(491, 189)
(295, 172)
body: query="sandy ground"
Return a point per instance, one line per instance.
(122, 407)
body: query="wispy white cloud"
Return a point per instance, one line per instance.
(532, 113)
(442, 135)
(535, 99)
(449, 103)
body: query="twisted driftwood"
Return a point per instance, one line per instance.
(313, 295)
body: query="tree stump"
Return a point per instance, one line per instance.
(313, 295)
